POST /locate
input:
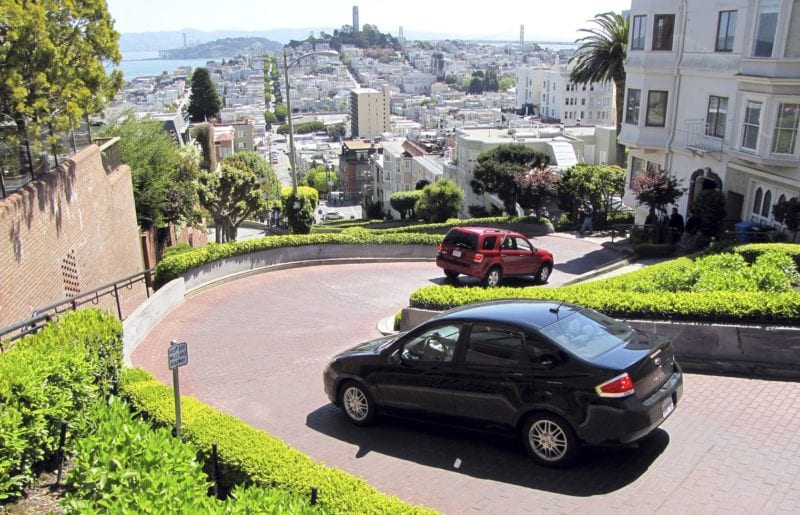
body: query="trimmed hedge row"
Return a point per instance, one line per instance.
(123, 464)
(174, 266)
(722, 288)
(251, 456)
(54, 375)
(441, 228)
(751, 251)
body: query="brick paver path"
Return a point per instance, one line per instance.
(257, 348)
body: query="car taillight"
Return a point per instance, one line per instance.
(439, 248)
(620, 386)
(477, 258)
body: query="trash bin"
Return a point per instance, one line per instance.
(747, 232)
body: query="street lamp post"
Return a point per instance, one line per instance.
(286, 65)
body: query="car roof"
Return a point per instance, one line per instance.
(485, 230)
(522, 312)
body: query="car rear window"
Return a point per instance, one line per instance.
(461, 239)
(588, 334)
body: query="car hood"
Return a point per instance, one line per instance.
(370, 347)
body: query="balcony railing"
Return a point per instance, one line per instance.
(695, 136)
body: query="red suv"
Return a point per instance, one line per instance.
(491, 254)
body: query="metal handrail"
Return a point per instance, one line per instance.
(50, 312)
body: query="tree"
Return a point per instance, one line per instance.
(601, 57)
(404, 201)
(787, 212)
(536, 187)
(52, 63)
(204, 135)
(507, 83)
(440, 201)
(267, 178)
(299, 208)
(270, 118)
(204, 101)
(163, 178)
(599, 184)
(709, 208)
(230, 195)
(657, 189)
(496, 168)
(336, 132)
(281, 113)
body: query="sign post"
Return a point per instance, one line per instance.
(177, 356)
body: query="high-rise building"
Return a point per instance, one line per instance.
(713, 96)
(356, 26)
(521, 35)
(369, 112)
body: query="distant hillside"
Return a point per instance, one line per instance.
(150, 41)
(227, 47)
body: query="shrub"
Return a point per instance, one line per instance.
(51, 376)
(248, 455)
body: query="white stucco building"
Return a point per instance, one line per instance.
(713, 96)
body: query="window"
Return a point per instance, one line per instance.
(726, 28)
(437, 344)
(757, 201)
(767, 204)
(663, 25)
(583, 101)
(639, 165)
(752, 119)
(717, 116)
(638, 32)
(632, 107)
(656, 109)
(493, 345)
(785, 136)
(766, 25)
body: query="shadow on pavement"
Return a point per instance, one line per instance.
(493, 457)
(588, 262)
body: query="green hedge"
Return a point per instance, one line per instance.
(752, 250)
(47, 377)
(720, 288)
(248, 455)
(174, 266)
(123, 464)
(443, 227)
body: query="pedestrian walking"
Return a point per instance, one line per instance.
(676, 226)
(588, 213)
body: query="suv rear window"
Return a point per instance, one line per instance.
(461, 239)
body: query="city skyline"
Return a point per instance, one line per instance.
(551, 22)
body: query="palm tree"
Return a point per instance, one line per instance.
(601, 57)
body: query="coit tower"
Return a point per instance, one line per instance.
(355, 19)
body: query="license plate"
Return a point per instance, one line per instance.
(456, 253)
(666, 407)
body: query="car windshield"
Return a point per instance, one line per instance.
(588, 334)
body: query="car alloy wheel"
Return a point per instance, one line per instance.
(493, 276)
(357, 404)
(544, 273)
(549, 440)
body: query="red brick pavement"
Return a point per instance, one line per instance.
(257, 347)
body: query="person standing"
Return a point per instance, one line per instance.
(676, 226)
(588, 213)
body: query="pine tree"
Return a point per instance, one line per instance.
(204, 102)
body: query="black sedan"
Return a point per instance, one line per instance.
(557, 374)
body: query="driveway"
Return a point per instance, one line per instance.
(258, 345)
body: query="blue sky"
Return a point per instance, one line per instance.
(556, 20)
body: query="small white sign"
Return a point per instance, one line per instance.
(177, 355)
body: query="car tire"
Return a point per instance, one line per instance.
(543, 274)
(493, 276)
(451, 274)
(357, 404)
(549, 440)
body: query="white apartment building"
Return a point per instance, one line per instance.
(713, 96)
(558, 98)
(369, 112)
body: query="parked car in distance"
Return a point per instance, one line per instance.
(556, 375)
(333, 215)
(491, 254)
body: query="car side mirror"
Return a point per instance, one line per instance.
(394, 358)
(549, 360)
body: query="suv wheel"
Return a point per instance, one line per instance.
(544, 273)
(493, 276)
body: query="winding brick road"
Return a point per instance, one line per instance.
(257, 347)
